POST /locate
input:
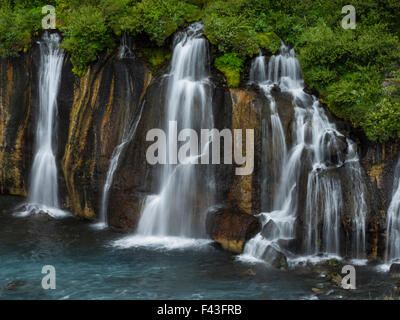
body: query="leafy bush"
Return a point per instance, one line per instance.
(269, 41)
(16, 29)
(383, 122)
(231, 66)
(159, 18)
(86, 36)
(229, 28)
(347, 67)
(157, 57)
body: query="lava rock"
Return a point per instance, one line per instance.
(291, 245)
(231, 228)
(270, 230)
(14, 285)
(395, 270)
(274, 257)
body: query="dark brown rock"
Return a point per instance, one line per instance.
(275, 258)
(395, 270)
(231, 228)
(270, 230)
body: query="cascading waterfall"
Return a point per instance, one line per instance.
(316, 147)
(175, 210)
(129, 129)
(393, 221)
(43, 189)
(125, 49)
(353, 170)
(275, 130)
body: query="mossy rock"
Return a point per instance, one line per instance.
(231, 65)
(157, 57)
(269, 41)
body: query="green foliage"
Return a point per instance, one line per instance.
(269, 41)
(347, 67)
(229, 28)
(383, 122)
(231, 66)
(16, 28)
(159, 18)
(157, 57)
(86, 36)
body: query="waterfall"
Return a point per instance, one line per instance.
(129, 129)
(393, 220)
(317, 148)
(275, 130)
(43, 189)
(185, 189)
(125, 48)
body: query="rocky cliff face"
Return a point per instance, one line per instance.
(91, 115)
(97, 110)
(379, 162)
(15, 133)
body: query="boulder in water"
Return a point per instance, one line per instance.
(335, 148)
(14, 285)
(274, 257)
(231, 228)
(291, 245)
(270, 231)
(395, 270)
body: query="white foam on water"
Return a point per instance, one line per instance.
(36, 209)
(359, 262)
(99, 225)
(312, 259)
(160, 242)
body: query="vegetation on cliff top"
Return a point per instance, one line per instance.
(354, 71)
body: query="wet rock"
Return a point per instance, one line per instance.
(274, 257)
(317, 290)
(270, 230)
(16, 133)
(246, 114)
(250, 272)
(93, 116)
(395, 270)
(335, 278)
(335, 148)
(291, 245)
(14, 285)
(231, 228)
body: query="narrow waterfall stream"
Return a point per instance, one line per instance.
(43, 188)
(393, 221)
(316, 147)
(130, 125)
(178, 211)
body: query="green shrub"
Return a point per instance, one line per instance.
(16, 29)
(159, 18)
(157, 57)
(86, 36)
(229, 28)
(231, 66)
(269, 41)
(382, 123)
